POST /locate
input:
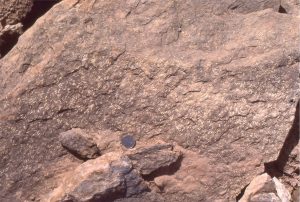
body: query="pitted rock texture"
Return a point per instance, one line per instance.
(219, 81)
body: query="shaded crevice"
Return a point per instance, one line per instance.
(241, 193)
(7, 42)
(167, 170)
(276, 168)
(233, 7)
(9, 39)
(62, 111)
(109, 197)
(39, 8)
(282, 10)
(75, 153)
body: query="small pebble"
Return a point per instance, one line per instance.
(128, 141)
(32, 198)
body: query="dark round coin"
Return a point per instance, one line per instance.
(128, 141)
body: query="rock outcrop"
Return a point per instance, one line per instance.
(218, 78)
(113, 175)
(106, 178)
(264, 188)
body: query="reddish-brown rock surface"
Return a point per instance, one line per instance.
(218, 78)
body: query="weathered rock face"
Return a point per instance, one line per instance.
(217, 77)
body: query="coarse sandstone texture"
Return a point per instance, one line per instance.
(219, 78)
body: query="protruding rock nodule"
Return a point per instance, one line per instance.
(79, 144)
(149, 158)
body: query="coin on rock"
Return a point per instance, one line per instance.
(128, 141)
